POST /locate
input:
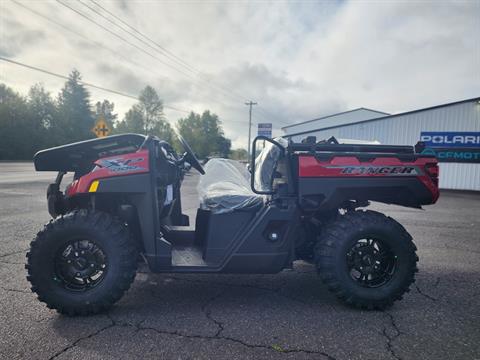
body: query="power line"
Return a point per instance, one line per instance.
(125, 40)
(159, 48)
(119, 36)
(64, 77)
(166, 52)
(145, 43)
(99, 45)
(88, 39)
(81, 35)
(84, 83)
(102, 46)
(162, 51)
(129, 33)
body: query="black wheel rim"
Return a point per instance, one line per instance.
(80, 265)
(371, 263)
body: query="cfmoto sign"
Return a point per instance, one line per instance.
(454, 155)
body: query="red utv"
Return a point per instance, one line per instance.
(301, 201)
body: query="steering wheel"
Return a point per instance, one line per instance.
(190, 156)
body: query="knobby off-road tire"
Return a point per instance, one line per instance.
(107, 248)
(333, 257)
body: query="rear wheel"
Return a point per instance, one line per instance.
(82, 263)
(366, 259)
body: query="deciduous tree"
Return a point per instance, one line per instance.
(205, 135)
(147, 117)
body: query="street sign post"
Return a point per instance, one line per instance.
(101, 128)
(265, 129)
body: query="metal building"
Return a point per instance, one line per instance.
(451, 131)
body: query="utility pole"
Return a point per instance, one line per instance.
(250, 104)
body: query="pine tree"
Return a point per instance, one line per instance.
(74, 109)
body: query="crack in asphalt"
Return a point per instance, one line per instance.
(421, 292)
(11, 263)
(89, 336)
(220, 326)
(12, 253)
(237, 341)
(15, 290)
(391, 338)
(126, 324)
(205, 308)
(208, 312)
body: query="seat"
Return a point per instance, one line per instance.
(230, 202)
(225, 187)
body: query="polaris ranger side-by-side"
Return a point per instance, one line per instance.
(301, 201)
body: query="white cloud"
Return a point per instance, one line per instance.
(396, 56)
(298, 60)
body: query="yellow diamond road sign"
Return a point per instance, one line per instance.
(101, 128)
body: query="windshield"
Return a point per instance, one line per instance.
(266, 163)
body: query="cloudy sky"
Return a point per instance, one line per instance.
(299, 60)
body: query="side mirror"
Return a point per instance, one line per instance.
(264, 165)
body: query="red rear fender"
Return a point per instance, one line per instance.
(381, 171)
(112, 166)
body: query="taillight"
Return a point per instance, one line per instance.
(71, 188)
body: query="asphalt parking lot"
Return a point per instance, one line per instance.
(290, 315)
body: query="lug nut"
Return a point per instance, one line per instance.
(69, 261)
(92, 265)
(78, 274)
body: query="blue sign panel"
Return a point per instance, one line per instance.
(459, 155)
(265, 129)
(449, 139)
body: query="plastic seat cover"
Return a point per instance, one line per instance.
(225, 187)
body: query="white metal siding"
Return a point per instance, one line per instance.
(406, 129)
(348, 117)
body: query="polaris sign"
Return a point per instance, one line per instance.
(450, 139)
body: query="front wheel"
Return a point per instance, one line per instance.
(366, 259)
(82, 263)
